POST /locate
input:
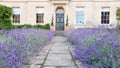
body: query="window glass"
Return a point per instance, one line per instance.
(16, 10)
(80, 15)
(40, 10)
(105, 13)
(39, 15)
(16, 15)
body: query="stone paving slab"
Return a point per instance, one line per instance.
(59, 62)
(62, 39)
(59, 56)
(59, 67)
(32, 66)
(38, 62)
(60, 48)
(56, 52)
(59, 44)
(56, 55)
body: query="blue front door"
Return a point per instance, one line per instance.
(60, 19)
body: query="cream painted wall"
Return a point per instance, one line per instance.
(92, 13)
(32, 12)
(92, 10)
(113, 7)
(23, 10)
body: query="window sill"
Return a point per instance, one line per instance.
(16, 23)
(79, 24)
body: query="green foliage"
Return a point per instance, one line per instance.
(118, 17)
(21, 26)
(46, 26)
(67, 21)
(52, 22)
(118, 13)
(5, 17)
(117, 27)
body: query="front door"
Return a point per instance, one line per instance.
(60, 19)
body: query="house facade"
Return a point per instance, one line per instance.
(79, 13)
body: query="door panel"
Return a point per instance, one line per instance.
(57, 19)
(60, 19)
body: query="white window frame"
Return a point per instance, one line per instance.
(105, 10)
(16, 14)
(80, 9)
(40, 14)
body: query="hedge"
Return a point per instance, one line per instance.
(46, 26)
(5, 17)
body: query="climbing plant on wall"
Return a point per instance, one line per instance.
(5, 17)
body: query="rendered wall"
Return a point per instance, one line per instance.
(92, 10)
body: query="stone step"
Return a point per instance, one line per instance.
(59, 33)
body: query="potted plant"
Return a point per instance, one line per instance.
(52, 24)
(118, 17)
(66, 25)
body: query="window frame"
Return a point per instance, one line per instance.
(105, 15)
(16, 16)
(40, 15)
(81, 15)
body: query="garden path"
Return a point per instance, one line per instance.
(59, 55)
(55, 55)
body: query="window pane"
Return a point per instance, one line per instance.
(57, 19)
(39, 10)
(62, 20)
(105, 13)
(16, 10)
(105, 9)
(39, 15)
(60, 11)
(16, 15)
(16, 18)
(39, 18)
(80, 15)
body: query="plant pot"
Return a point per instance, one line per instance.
(52, 28)
(66, 28)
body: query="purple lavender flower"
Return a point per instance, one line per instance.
(98, 48)
(17, 45)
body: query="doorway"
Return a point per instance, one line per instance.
(60, 19)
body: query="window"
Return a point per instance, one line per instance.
(40, 15)
(16, 15)
(80, 15)
(105, 13)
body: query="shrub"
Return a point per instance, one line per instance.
(17, 45)
(22, 26)
(97, 48)
(5, 17)
(46, 26)
(67, 20)
(118, 18)
(52, 21)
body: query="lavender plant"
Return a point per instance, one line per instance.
(96, 48)
(17, 45)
